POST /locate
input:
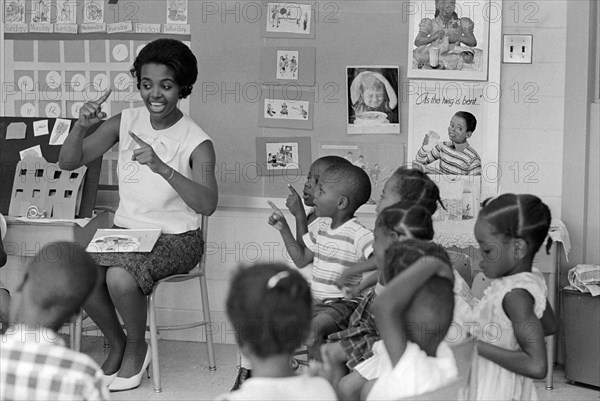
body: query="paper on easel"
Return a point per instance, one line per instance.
(112, 240)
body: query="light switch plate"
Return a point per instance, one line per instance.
(518, 49)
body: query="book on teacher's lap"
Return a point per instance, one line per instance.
(123, 240)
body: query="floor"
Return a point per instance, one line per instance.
(185, 374)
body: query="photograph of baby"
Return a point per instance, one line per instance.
(289, 18)
(286, 109)
(449, 39)
(372, 93)
(282, 156)
(287, 64)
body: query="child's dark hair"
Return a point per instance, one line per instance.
(173, 54)
(61, 278)
(353, 181)
(400, 255)
(270, 308)
(429, 314)
(470, 120)
(329, 161)
(407, 217)
(413, 184)
(519, 216)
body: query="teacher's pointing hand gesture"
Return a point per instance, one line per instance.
(91, 112)
(147, 156)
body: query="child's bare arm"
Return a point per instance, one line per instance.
(530, 360)
(295, 206)
(361, 267)
(366, 282)
(300, 254)
(398, 293)
(3, 256)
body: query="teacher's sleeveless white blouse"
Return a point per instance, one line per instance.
(147, 200)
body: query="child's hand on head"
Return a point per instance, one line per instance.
(276, 218)
(294, 202)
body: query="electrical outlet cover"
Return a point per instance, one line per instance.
(517, 49)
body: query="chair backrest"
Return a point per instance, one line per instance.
(464, 387)
(462, 264)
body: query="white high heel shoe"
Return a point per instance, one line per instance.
(108, 379)
(122, 383)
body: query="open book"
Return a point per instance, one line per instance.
(123, 240)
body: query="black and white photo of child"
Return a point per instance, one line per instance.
(373, 97)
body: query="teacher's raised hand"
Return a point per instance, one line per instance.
(146, 155)
(91, 112)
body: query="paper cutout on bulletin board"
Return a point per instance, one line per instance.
(93, 11)
(40, 128)
(66, 12)
(16, 131)
(14, 11)
(60, 131)
(177, 12)
(34, 151)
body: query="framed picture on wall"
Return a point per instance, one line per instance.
(283, 156)
(287, 107)
(372, 100)
(288, 20)
(448, 39)
(287, 64)
(449, 133)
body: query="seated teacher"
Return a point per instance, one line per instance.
(166, 169)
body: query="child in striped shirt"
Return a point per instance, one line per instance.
(456, 156)
(334, 244)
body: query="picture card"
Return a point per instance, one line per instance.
(283, 156)
(288, 20)
(123, 240)
(288, 64)
(287, 107)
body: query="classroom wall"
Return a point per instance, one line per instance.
(227, 41)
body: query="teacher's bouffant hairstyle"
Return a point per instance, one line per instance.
(173, 54)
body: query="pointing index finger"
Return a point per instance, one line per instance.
(137, 139)
(293, 190)
(274, 207)
(105, 96)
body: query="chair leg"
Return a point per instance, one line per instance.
(154, 343)
(550, 356)
(212, 365)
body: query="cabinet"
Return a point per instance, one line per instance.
(581, 325)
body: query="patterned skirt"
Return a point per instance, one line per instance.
(172, 254)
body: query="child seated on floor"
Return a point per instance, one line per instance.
(270, 307)
(413, 315)
(35, 364)
(415, 305)
(333, 245)
(399, 222)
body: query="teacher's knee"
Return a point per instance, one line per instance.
(119, 279)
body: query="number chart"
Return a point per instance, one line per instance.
(54, 77)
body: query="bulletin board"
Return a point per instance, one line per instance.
(227, 39)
